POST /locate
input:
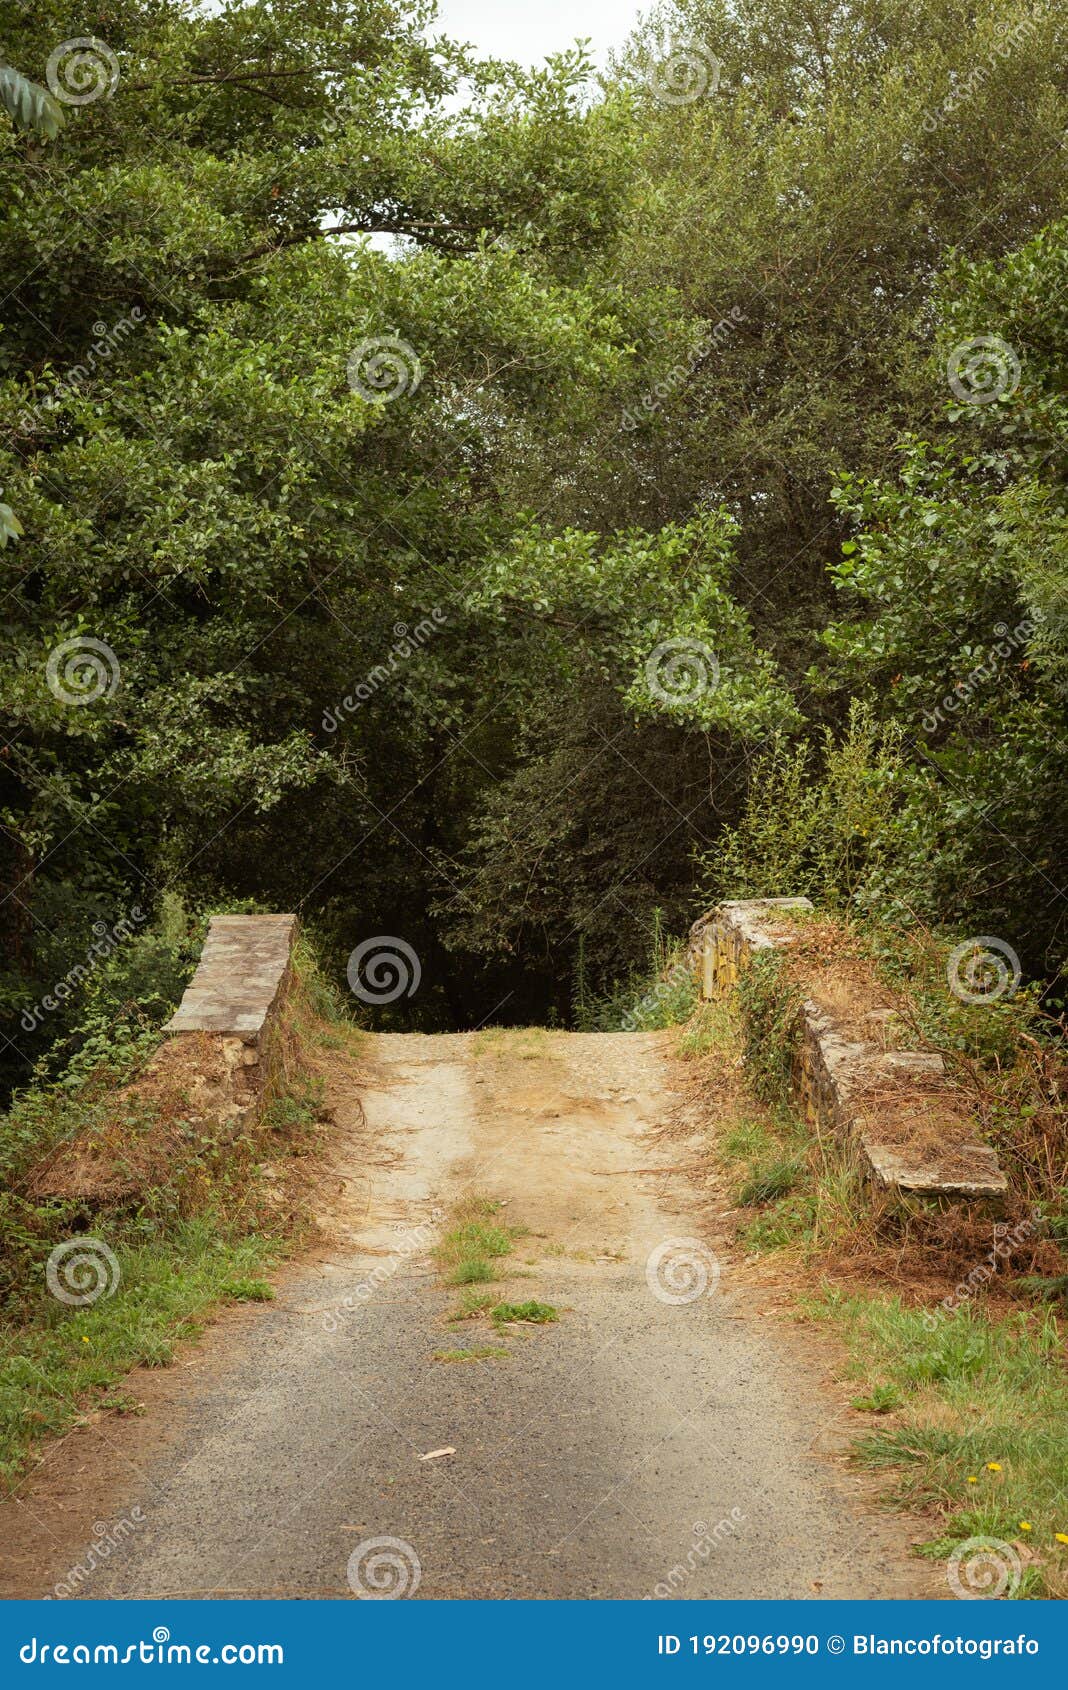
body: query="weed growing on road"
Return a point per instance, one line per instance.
(529, 1314)
(474, 1242)
(472, 1304)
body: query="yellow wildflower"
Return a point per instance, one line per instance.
(1062, 1537)
(972, 1480)
(993, 1466)
(1025, 1525)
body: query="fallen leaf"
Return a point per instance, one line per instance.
(432, 1454)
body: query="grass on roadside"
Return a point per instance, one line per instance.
(979, 1404)
(797, 1190)
(207, 1222)
(968, 1408)
(54, 1360)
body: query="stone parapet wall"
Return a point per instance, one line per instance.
(235, 997)
(207, 1081)
(856, 1090)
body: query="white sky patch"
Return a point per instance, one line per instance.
(529, 30)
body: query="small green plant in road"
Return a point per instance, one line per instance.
(472, 1270)
(472, 1304)
(468, 1250)
(531, 1314)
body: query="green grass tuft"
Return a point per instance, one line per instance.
(537, 1314)
(249, 1291)
(881, 1399)
(472, 1304)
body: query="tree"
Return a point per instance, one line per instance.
(955, 592)
(246, 445)
(810, 177)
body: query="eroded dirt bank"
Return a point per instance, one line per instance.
(660, 1438)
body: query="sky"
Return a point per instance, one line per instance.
(528, 30)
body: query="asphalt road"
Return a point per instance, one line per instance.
(660, 1439)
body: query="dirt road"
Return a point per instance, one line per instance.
(660, 1439)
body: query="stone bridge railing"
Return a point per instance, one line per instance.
(207, 1080)
(893, 1110)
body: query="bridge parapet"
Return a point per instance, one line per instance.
(895, 1111)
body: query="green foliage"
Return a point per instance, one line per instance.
(530, 1313)
(203, 489)
(663, 996)
(956, 590)
(29, 105)
(54, 1360)
(640, 343)
(813, 831)
(981, 1400)
(769, 1006)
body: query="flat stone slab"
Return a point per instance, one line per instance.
(240, 978)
